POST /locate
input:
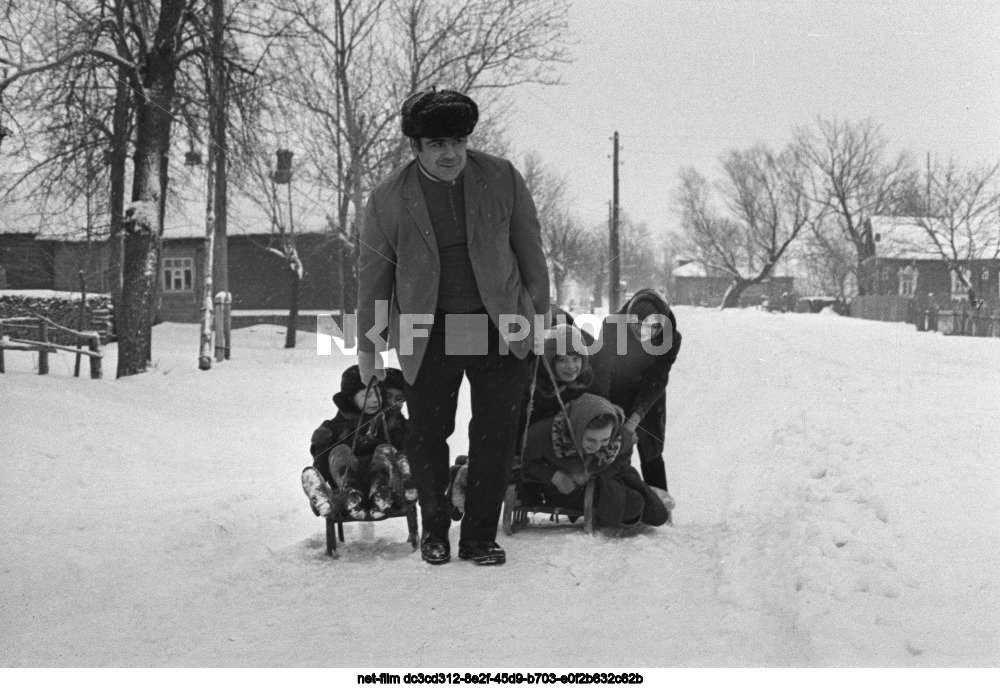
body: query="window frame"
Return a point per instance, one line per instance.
(178, 268)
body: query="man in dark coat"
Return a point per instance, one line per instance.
(452, 240)
(633, 373)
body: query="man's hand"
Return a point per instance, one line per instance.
(563, 482)
(629, 429)
(370, 365)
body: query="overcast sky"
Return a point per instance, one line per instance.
(683, 80)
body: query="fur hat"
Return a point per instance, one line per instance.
(350, 381)
(394, 379)
(438, 114)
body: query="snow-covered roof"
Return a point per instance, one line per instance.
(690, 269)
(185, 214)
(908, 238)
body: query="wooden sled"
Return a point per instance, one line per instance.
(338, 516)
(516, 511)
(335, 526)
(516, 514)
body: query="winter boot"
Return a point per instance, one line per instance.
(482, 552)
(403, 485)
(345, 473)
(457, 487)
(316, 490)
(665, 497)
(380, 481)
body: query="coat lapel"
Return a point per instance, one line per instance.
(473, 184)
(416, 206)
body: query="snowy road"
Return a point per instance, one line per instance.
(836, 481)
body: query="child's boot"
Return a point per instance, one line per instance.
(403, 480)
(344, 473)
(380, 481)
(316, 490)
(665, 497)
(456, 490)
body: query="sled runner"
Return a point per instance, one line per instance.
(524, 498)
(399, 483)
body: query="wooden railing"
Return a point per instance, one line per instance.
(44, 347)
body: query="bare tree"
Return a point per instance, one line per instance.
(639, 254)
(852, 178)
(349, 64)
(480, 44)
(963, 210)
(142, 43)
(566, 244)
(767, 205)
(128, 65)
(828, 261)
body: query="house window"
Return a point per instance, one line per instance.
(958, 288)
(178, 274)
(908, 281)
(985, 275)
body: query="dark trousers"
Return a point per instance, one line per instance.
(497, 383)
(650, 441)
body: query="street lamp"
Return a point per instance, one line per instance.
(283, 173)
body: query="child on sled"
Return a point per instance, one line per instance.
(356, 453)
(586, 441)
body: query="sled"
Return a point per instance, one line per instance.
(516, 513)
(517, 510)
(338, 516)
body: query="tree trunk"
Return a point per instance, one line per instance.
(117, 162)
(734, 292)
(143, 224)
(293, 311)
(865, 280)
(208, 288)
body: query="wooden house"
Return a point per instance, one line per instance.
(907, 263)
(49, 254)
(695, 285)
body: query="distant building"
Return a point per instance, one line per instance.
(907, 263)
(45, 255)
(694, 285)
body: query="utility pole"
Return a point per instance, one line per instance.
(614, 271)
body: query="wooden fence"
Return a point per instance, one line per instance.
(44, 345)
(885, 307)
(967, 322)
(957, 318)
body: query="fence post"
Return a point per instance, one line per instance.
(94, 344)
(43, 353)
(1, 350)
(227, 313)
(223, 318)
